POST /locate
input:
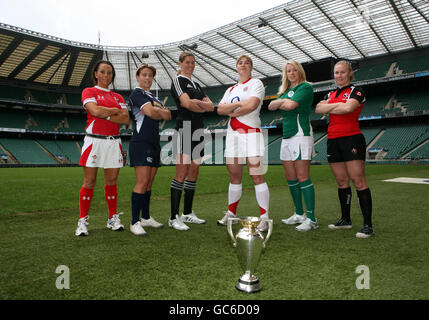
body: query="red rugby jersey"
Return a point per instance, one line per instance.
(104, 98)
(342, 125)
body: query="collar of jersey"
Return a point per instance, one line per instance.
(102, 89)
(246, 81)
(145, 91)
(339, 90)
(344, 88)
(181, 75)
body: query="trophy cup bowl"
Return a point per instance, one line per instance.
(249, 242)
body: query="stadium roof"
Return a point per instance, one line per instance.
(302, 30)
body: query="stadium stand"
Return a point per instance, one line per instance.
(42, 120)
(397, 141)
(26, 151)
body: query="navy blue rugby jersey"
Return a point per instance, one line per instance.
(179, 86)
(145, 128)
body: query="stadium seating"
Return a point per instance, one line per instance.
(26, 151)
(374, 71)
(397, 141)
(421, 153)
(13, 119)
(415, 64)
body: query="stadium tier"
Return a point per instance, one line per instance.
(32, 110)
(398, 141)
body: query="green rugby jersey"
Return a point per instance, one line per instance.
(297, 121)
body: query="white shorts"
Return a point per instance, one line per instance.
(297, 148)
(101, 153)
(244, 145)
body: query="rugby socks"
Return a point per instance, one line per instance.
(136, 206)
(111, 195)
(189, 190)
(146, 205)
(295, 191)
(85, 198)
(234, 196)
(345, 196)
(307, 190)
(365, 203)
(263, 198)
(176, 193)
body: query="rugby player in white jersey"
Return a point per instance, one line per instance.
(244, 140)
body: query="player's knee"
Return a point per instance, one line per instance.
(343, 183)
(360, 183)
(258, 179)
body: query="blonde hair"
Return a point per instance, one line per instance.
(182, 58)
(348, 66)
(145, 65)
(286, 84)
(243, 56)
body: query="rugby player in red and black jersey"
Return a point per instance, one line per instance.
(346, 146)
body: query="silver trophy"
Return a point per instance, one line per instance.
(249, 242)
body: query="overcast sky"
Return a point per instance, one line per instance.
(127, 22)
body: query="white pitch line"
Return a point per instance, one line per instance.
(409, 180)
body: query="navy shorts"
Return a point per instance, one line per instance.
(144, 154)
(347, 148)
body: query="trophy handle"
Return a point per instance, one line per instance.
(229, 227)
(270, 231)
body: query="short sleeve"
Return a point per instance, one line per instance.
(358, 94)
(303, 94)
(178, 87)
(88, 95)
(258, 90)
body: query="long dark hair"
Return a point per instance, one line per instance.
(97, 65)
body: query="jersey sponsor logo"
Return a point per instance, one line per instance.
(237, 98)
(290, 94)
(100, 97)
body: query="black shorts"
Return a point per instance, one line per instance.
(144, 154)
(347, 148)
(190, 143)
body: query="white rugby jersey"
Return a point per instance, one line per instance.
(243, 91)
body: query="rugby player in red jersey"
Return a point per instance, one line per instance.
(346, 146)
(102, 146)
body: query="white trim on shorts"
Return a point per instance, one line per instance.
(103, 153)
(292, 147)
(244, 145)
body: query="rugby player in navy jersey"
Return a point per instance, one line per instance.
(346, 146)
(145, 149)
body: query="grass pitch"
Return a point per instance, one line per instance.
(39, 213)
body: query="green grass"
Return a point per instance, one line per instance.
(40, 212)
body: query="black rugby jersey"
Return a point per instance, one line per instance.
(179, 86)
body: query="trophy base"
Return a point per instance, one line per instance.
(247, 284)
